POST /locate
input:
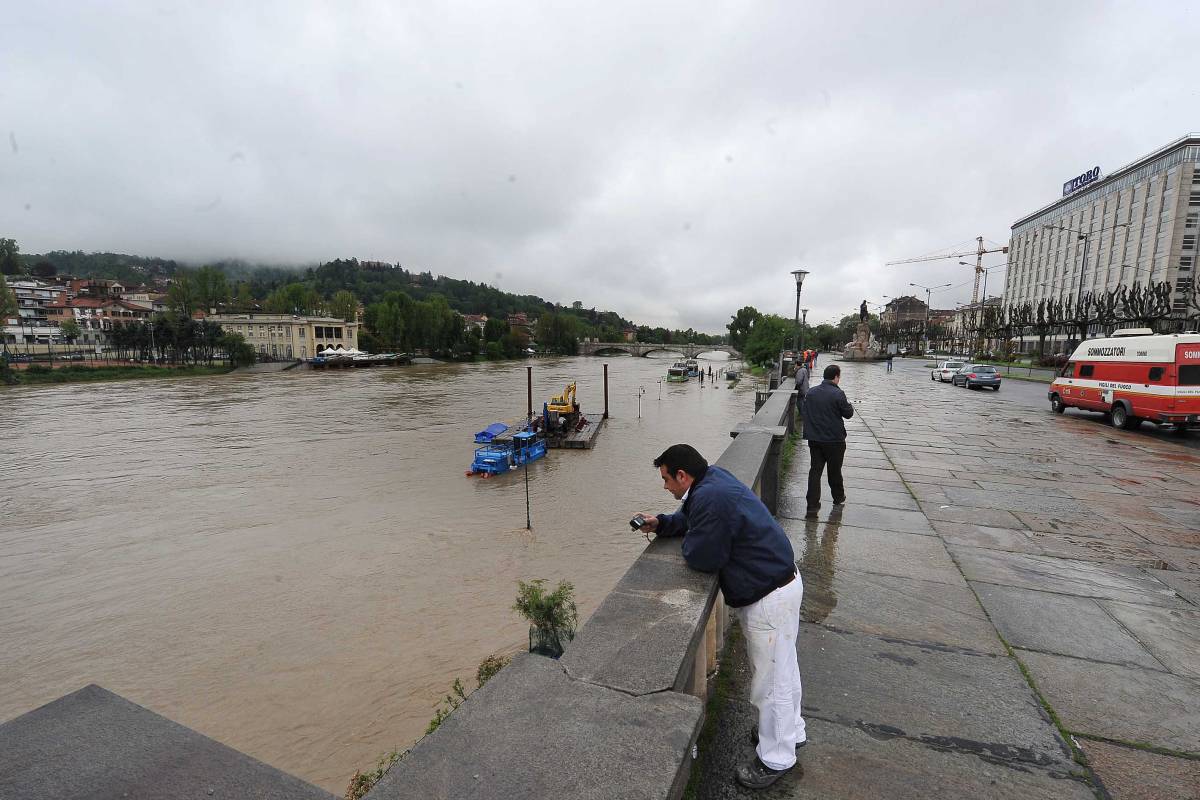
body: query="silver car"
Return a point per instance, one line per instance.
(945, 370)
(973, 376)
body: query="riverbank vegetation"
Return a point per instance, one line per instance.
(36, 374)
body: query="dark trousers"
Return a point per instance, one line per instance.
(820, 455)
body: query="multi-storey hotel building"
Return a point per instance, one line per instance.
(1138, 224)
(288, 337)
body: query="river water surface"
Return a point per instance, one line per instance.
(294, 563)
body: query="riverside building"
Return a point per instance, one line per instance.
(1138, 224)
(287, 336)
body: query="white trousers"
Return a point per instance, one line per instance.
(771, 626)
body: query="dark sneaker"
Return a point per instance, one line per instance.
(810, 514)
(754, 737)
(841, 502)
(756, 775)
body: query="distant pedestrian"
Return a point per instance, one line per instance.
(726, 529)
(825, 406)
(889, 362)
(802, 381)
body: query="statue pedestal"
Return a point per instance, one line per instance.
(863, 348)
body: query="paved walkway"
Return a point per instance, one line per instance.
(998, 575)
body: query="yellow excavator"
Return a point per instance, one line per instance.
(561, 415)
(564, 403)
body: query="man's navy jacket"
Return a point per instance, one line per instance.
(726, 529)
(824, 407)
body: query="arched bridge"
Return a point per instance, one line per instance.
(644, 349)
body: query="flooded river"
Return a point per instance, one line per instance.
(294, 563)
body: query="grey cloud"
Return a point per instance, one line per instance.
(672, 162)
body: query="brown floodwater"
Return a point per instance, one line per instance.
(294, 563)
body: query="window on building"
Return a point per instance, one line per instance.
(337, 333)
(1156, 374)
(1086, 370)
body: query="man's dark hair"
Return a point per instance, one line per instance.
(832, 371)
(683, 457)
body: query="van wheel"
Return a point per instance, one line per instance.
(1121, 418)
(1057, 405)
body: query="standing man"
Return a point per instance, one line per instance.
(825, 406)
(802, 381)
(726, 529)
(889, 369)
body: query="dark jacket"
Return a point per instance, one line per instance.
(824, 407)
(726, 529)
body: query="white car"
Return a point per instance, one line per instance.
(944, 370)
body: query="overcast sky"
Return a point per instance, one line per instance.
(669, 161)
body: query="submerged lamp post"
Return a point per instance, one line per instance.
(799, 275)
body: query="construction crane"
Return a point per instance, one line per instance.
(979, 252)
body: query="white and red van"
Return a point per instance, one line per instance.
(1134, 375)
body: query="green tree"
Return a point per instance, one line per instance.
(44, 269)
(294, 298)
(70, 330)
(8, 301)
(558, 332)
(245, 299)
(494, 329)
(344, 305)
(211, 287)
(182, 297)
(241, 353)
(740, 325)
(766, 339)
(10, 258)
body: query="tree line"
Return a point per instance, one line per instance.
(402, 310)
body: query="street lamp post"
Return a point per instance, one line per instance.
(803, 324)
(799, 275)
(928, 290)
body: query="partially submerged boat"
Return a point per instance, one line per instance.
(693, 368)
(677, 372)
(497, 458)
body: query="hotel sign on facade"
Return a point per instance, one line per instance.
(1077, 183)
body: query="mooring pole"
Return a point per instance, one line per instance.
(529, 393)
(606, 391)
(528, 523)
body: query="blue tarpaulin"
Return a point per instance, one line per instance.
(490, 432)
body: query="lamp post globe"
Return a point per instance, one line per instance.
(799, 275)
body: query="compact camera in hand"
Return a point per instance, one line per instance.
(637, 522)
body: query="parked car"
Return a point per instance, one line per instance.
(973, 376)
(945, 370)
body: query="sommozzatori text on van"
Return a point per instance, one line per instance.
(1134, 375)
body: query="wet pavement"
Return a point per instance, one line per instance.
(1000, 575)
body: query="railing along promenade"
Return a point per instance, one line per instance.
(618, 715)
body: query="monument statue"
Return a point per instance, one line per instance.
(864, 347)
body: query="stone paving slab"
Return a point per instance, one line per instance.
(1063, 624)
(909, 555)
(883, 519)
(896, 608)
(971, 535)
(1122, 703)
(980, 516)
(1185, 584)
(1131, 774)
(1063, 576)
(935, 694)
(1171, 635)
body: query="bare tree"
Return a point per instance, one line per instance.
(1107, 307)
